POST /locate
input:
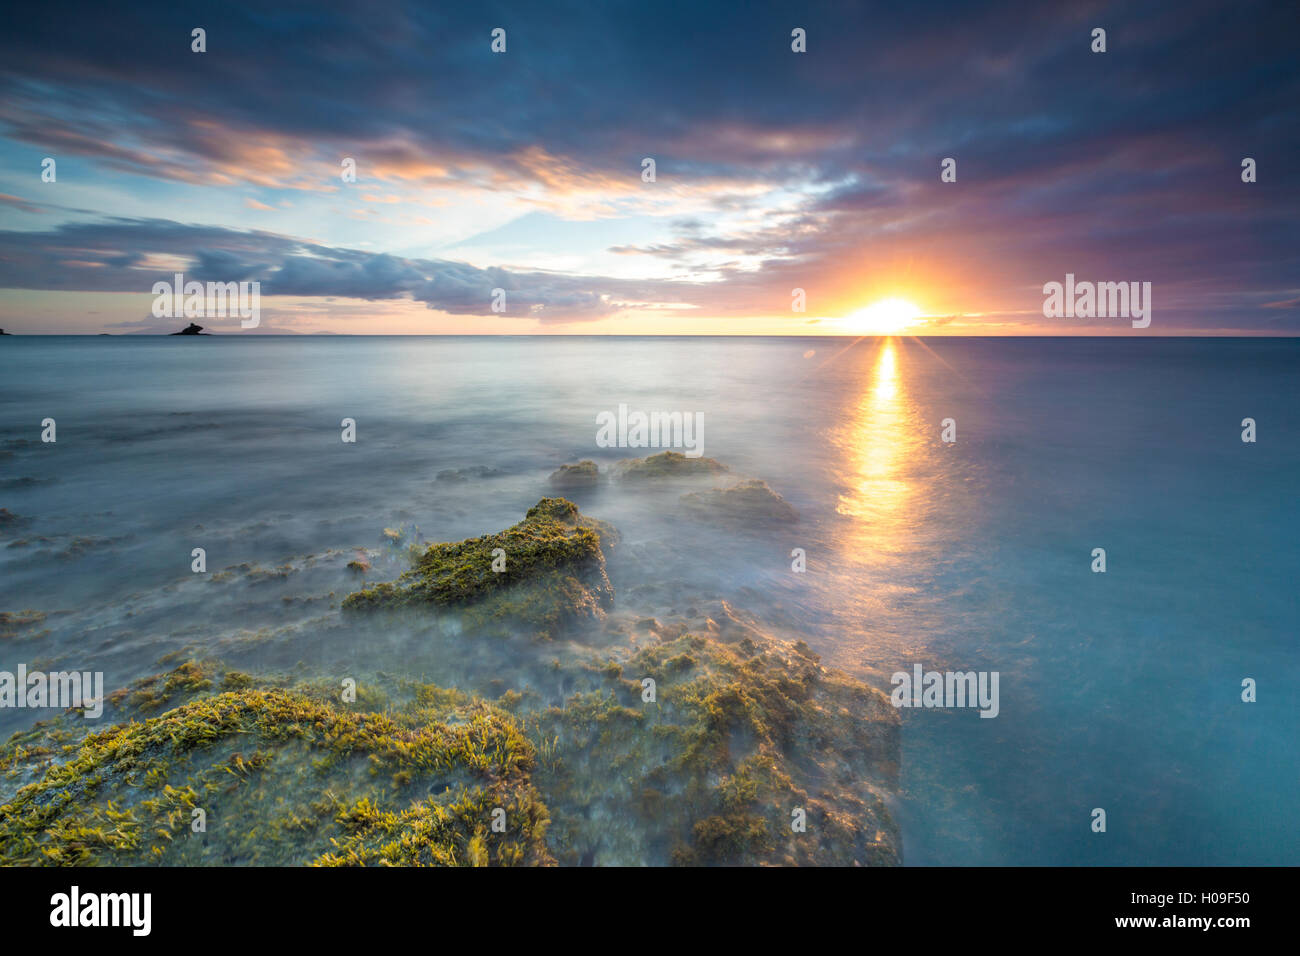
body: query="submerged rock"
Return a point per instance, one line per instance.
(736, 743)
(20, 623)
(746, 502)
(641, 741)
(668, 464)
(583, 475)
(460, 476)
(542, 574)
(740, 741)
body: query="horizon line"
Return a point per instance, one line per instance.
(1224, 334)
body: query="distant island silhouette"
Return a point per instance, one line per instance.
(191, 329)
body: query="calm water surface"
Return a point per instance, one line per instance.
(1118, 690)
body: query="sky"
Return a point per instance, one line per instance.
(774, 170)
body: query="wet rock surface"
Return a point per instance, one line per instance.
(689, 736)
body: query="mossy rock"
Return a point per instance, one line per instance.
(666, 465)
(740, 736)
(712, 771)
(746, 502)
(585, 474)
(283, 776)
(553, 574)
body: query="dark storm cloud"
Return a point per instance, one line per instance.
(1011, 87)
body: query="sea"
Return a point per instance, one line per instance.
(1164, 690)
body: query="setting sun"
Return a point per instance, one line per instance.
(886, 317)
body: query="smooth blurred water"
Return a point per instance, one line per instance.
(1118, 690)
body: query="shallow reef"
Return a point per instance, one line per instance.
(414, 775)
(736, 743)
(547, 735)
(740, 742)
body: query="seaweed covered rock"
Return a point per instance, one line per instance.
(680, 749)
(675, 730)
(544, 573)
(746, 502)
(666, 465)
(739, 742)
(585, 474)
(277, 776)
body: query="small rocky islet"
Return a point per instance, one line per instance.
(608, 739)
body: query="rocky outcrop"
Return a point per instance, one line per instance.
(665, 465)
(540, 575)
(744, 503)
(577, 477)
(297, 776)
(641, 741)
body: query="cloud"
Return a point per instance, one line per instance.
(18, 203)
(118, 256)
(775, 169)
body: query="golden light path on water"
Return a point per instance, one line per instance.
(880, 444)
(894, 535)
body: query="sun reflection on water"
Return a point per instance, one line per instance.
(877, 443)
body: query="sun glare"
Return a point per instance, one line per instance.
(886, 317)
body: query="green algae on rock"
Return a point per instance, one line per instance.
(585, 474)
(668, 464)
(545, 572)
(751, 501)
(742, 734)
(738, 739)
(281, 776)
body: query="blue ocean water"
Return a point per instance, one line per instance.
(1119, 691)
